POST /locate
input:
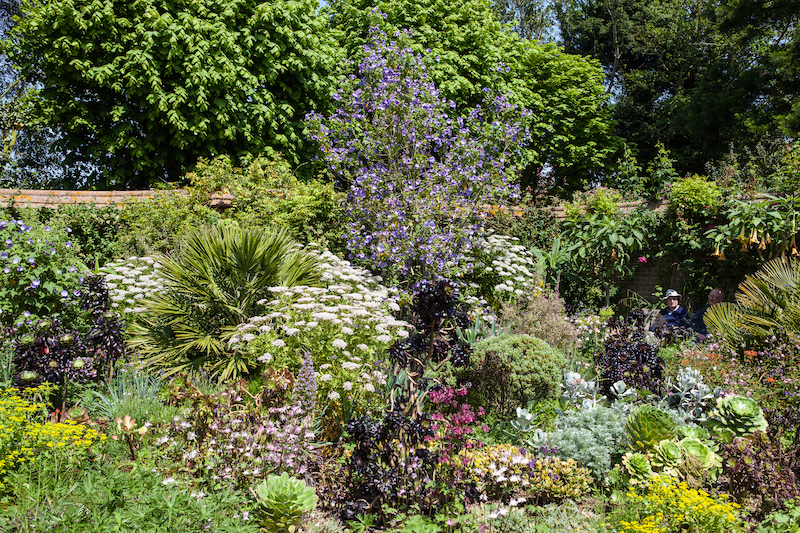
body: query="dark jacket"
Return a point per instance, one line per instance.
(699, 323)
(679, 317)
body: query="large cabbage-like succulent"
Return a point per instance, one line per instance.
(737, 416)
(690, 430)
(647, 426)
(638, 467)
(697, 448)
(283, 501)
(667, 455)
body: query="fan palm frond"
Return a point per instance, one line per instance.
(210, 288)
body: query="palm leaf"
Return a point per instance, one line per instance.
(210, 288)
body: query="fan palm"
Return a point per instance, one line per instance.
(210, 288)
(767, 303)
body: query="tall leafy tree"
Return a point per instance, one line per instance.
(693, 75)
(467, 50)
(143, 88)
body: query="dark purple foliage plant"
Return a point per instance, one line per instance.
(393, 464)
(421, 177)
(56, 353)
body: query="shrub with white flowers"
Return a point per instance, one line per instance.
(130, 280)
(504, 270)
(344, 326)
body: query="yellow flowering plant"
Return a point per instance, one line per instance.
(26, 437)
(671, 505)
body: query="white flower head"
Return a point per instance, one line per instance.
(339, 343)
(278, 343)
(347, 385)
(333, 395)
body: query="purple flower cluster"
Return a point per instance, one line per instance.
(31, 277)
(305, 385)
(422, 173)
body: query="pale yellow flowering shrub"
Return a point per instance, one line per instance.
(503, 470)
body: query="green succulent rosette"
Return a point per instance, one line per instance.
(647, 426)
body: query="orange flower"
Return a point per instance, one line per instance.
(770, 380)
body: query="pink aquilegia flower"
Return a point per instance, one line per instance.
(642, 259)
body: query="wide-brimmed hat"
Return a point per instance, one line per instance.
(671, 293)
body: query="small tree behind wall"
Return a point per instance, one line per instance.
(420, 178)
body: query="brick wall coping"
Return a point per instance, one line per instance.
(35, 198)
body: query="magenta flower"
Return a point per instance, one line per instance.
(642, 259)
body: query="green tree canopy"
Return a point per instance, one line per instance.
(467, 50)
(143, 88)
(695, 75)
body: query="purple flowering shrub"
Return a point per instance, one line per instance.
(422, 174)
(231, 438)
(39, 270)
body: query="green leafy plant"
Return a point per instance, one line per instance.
(736, 416)
(693, 197)
(512, 370)
(213, 286)
(283, 502)
(647, 426)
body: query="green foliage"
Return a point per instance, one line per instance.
(38, 271)
(542, 317)
(628, 178)
(786, 520)
(283, 502)
(693, 197)
(511, 370)
(766, 227)
(647, 426)
(159, 223)
(97, 497)
(267, 193)
(736, 416)
(209, 289)
(603, 244)
(593, 437)
(94, 228)
(767, 304)
(466, 49)
(143, 89)
(601, 201)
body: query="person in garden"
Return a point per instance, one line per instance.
(698, 321)
(673, 314)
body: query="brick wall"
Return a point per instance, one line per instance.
(52, 199)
